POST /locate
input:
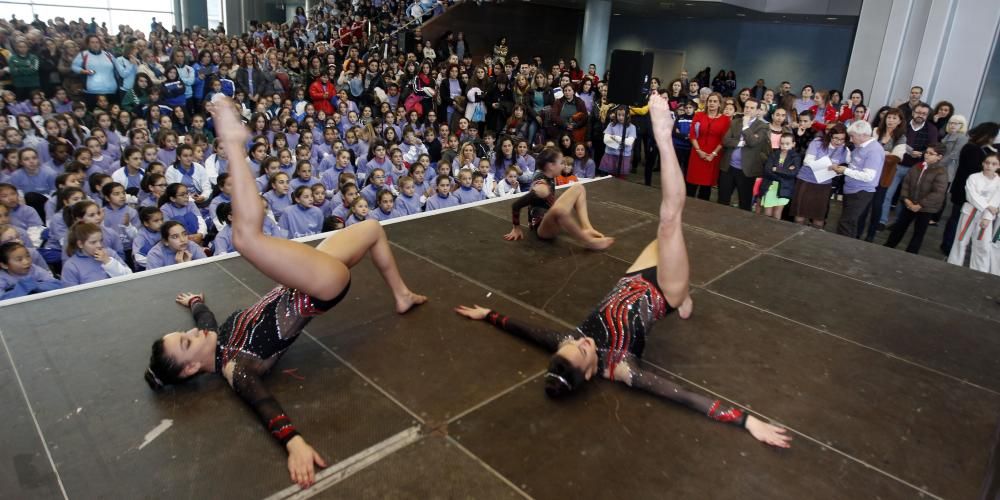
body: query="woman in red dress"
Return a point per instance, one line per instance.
(707, 129)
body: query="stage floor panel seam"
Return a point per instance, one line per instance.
(489, 468)
(34, 417)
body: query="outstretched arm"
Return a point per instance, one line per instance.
(244, 377)
(548, 339)
(650, 382)
(647, 380)
(204, 319)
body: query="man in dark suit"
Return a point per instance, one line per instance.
(745, 147)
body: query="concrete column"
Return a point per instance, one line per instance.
(596, 24)
(966, 57)
(232, 14)
(943, 46)
(192, 13)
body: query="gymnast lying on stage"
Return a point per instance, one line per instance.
(250, 341)
(610, 341)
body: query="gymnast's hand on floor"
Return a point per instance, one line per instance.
(184, 298)
(474, 312)
(301, 458)
(767, 433)
(514, 234)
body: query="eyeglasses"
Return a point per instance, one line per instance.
(160, 186)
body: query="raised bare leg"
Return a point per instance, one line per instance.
(321, 274)
(673, 270)
(561, 217)
(368, 238)
(582, 211)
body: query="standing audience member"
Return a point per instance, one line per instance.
(860, 176)
(922, 194)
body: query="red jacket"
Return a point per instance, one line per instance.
(320, 102)
(830, 116)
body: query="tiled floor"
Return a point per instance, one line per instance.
(882, 364)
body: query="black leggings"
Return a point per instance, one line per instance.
(701, 192)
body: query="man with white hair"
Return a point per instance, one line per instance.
(861, 176)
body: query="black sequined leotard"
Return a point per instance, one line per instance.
(253, 339)
(620, 323)
(537, 206)
(619, 326)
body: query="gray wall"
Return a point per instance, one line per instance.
(800, 53)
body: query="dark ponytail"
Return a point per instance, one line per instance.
(76, 211)
(170, 192)
(562, 378)
(548, 155)
(162, 371)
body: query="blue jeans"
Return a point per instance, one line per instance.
(532, 130)
(901, 172)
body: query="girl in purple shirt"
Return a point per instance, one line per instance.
(409, 202)
(340, 213)
(302, 218)
(277, 197)
(174, 247)
(443, 198)
(176, 205)
(148, 235)
(88, 259)
(303, 175)
(19, 275)
(359, 212)
(386, 208)
(268, 168)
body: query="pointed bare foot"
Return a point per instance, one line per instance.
(406, 301)
(686, 308)
(593, 233)
(599, 243)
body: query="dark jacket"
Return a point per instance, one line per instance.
(757, 145)
(970, 161)
(261, 86)
(926, 190)
(444, 95)
(918, 140)
(783, 174)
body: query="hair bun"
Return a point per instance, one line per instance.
(154, 382)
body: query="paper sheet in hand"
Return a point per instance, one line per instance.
(821, 169)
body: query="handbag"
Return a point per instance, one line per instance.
(412, 103)
(479, 112)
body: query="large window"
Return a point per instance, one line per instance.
(988, 109)
(138, 15)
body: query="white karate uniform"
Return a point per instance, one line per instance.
(980, 193)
